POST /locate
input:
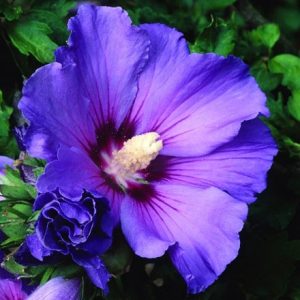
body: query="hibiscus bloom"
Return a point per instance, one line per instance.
(56, 288)
(171, 139)
(81, 229)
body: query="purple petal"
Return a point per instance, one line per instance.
(58, 288)
(196, 102)
(239, 167)
(95, 269)
(72, 172)
(36, 248)
(109, 54)
(75, 171)
(5, 161)
(19, 133)
(200, 225)
(39, 142)
(57, 107)
(11, 290)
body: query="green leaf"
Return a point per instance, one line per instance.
(289, 66)
(12, 12)
(293, 147)
(53, 14)
(294, 104)
(266, 35)
(10, 265)
(225, 41)
(218, 37)
(266, 80)
(59, 7)
(14, 231)
(13, 187)
(7, 142)
(32, 37)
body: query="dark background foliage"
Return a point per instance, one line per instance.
(266, 35)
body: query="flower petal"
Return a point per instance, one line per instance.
(196, 102)
(238, 167)
(39, 142)
(58, 288)
(36, 248)
(109, 53)
(11, 289)
(57, 108)
(94, 267)
(72, 172)
(200, 225)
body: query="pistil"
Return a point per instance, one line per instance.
(135, 155)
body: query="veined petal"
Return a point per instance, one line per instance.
(109, 53)
(196, 102)
(201, 226)
(57, 108)
(58, 288)
(11, 289)
(238, 167)
(73, 172)
(95, 269)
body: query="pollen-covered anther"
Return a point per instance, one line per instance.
(136, 154)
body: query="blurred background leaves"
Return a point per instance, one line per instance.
(266, 35)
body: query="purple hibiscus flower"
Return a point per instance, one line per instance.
(56, 288)
(171, 139)
(80, 228)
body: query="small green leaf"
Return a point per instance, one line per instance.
(13, 187)
(266, 80)
(225, 41)
(47, 274)
(218, 37)
(266, 35)
(289, 66)
(294, 104)
(7, 142)
(14, 231)
(32, 37)
(11, 12)
(10, 265)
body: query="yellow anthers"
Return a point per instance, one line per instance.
(136, 154)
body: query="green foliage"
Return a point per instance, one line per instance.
(218, 36)
(32, 37)
(36, 28)
(7, 143)
(289, 66)
(14, 188)
(266, 35)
